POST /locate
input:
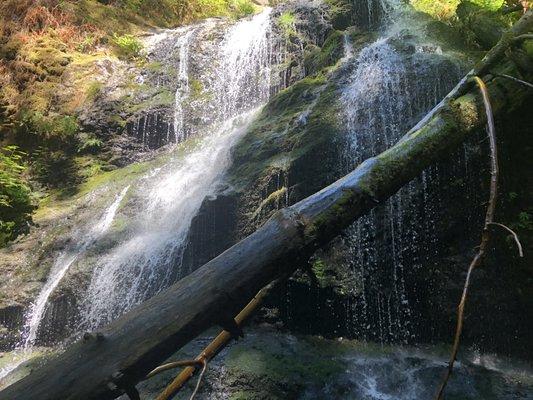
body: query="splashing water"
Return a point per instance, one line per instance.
(244, 71)
(149, 260)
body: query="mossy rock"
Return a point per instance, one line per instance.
(488, 26)
(332, 50)
(340, 13)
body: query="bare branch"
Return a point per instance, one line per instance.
(172, 365)
(204, 368)
(485, 234)
(515, 237)
(512, 78)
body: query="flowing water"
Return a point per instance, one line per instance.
(391, 83)
(394, 81)
(149, 259)
(183, 89)
(85, 238)
(62, 264)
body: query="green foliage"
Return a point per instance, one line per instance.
(445, 9)
(54, 167)
(490, 5)
(15, 195)
(242, 8)
(525, 221)
(317, 58)
(287, 22)
(127, 46)
(56, 127)
(90, 146)
(439, 9)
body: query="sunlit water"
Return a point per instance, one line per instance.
(392, 84)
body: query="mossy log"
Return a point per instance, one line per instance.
(104, 365)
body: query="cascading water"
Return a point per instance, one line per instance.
(144, 257)
(87, 237)
(62, 264)
(135, 249)
(392, 84)
(149, 258)
(183, 88)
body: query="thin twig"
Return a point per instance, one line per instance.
(515, 237)
(217, 344)
(485, 234)
(512, 78)
(172, 365)
(525, 36)
(204, 368)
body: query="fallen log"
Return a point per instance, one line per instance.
(107, 364)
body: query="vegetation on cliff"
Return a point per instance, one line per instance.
(49, 56)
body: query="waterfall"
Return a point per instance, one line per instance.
(86, 237)
(182, 92)
(149, 258)
(243, 76)
(392, 84)
(62, 265)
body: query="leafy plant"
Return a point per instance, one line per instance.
(439, 9)
(242, 8)
(91, 146)
(127, 46)
(287, 22)
(16, 204)
(57, 127)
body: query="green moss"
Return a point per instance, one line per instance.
(262, 361)
(243, 395)
(318, 58)
(340, 13)
(439, 9)
(272, 202)
(93, 90)
(241, 8)
(196, 87)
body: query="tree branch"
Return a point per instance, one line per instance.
(515, 237)
(485, 235)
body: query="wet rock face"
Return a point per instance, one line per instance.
(11, 321)
(384, 279)
(272, 365)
